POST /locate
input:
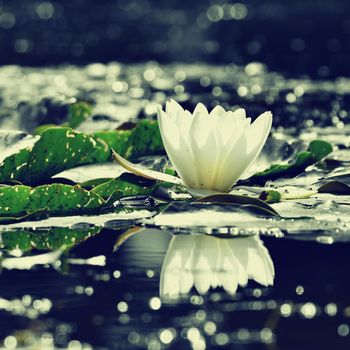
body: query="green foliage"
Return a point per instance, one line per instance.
(61, 148)
(77, 113)
(124, 186)
(57, 149)
(56, 199)
(316, 151)
(146, 139)
(135, 141)
(270, 196)
(23, 202)
(55, 238)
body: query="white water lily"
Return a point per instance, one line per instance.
(208, 262)
(209, 151)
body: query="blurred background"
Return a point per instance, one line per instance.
(292, 37)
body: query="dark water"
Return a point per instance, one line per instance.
(295, 37)
(117, 305)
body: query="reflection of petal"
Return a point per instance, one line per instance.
(228, 268)
(206, 261)
(176, 276)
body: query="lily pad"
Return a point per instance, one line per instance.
(316, 151)
(56, 198)
(240, 200)
(335, 187)
(57, 149)
(125, 185)
(61, 148)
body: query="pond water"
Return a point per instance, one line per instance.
(113, 301)
(123, 280)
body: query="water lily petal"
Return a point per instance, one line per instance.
(211, 151)
(232, 166)
(173, 109)
(179, 153)
(258, 132)
(217, 112)
(256, 136)
(239, 114)
(204, 149)
(168, 127)
(242, 153)
(200, 109)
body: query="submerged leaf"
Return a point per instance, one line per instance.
(55, 238)
(39, 214)
(77, 113)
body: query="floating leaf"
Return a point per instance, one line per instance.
(335, 187)
(90, 184)
(316, 151)
(61, 148)
(146, 139)
(13, 141)
(134, 140)
(57, 149)
(56, 198)
(123, 186)
(240, 200)
(285, 193)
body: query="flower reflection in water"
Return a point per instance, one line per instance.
(205, 261)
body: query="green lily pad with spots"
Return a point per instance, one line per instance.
(57, 149)
(124, 186)
(135, 140)
(58, 199)
(61, 148)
